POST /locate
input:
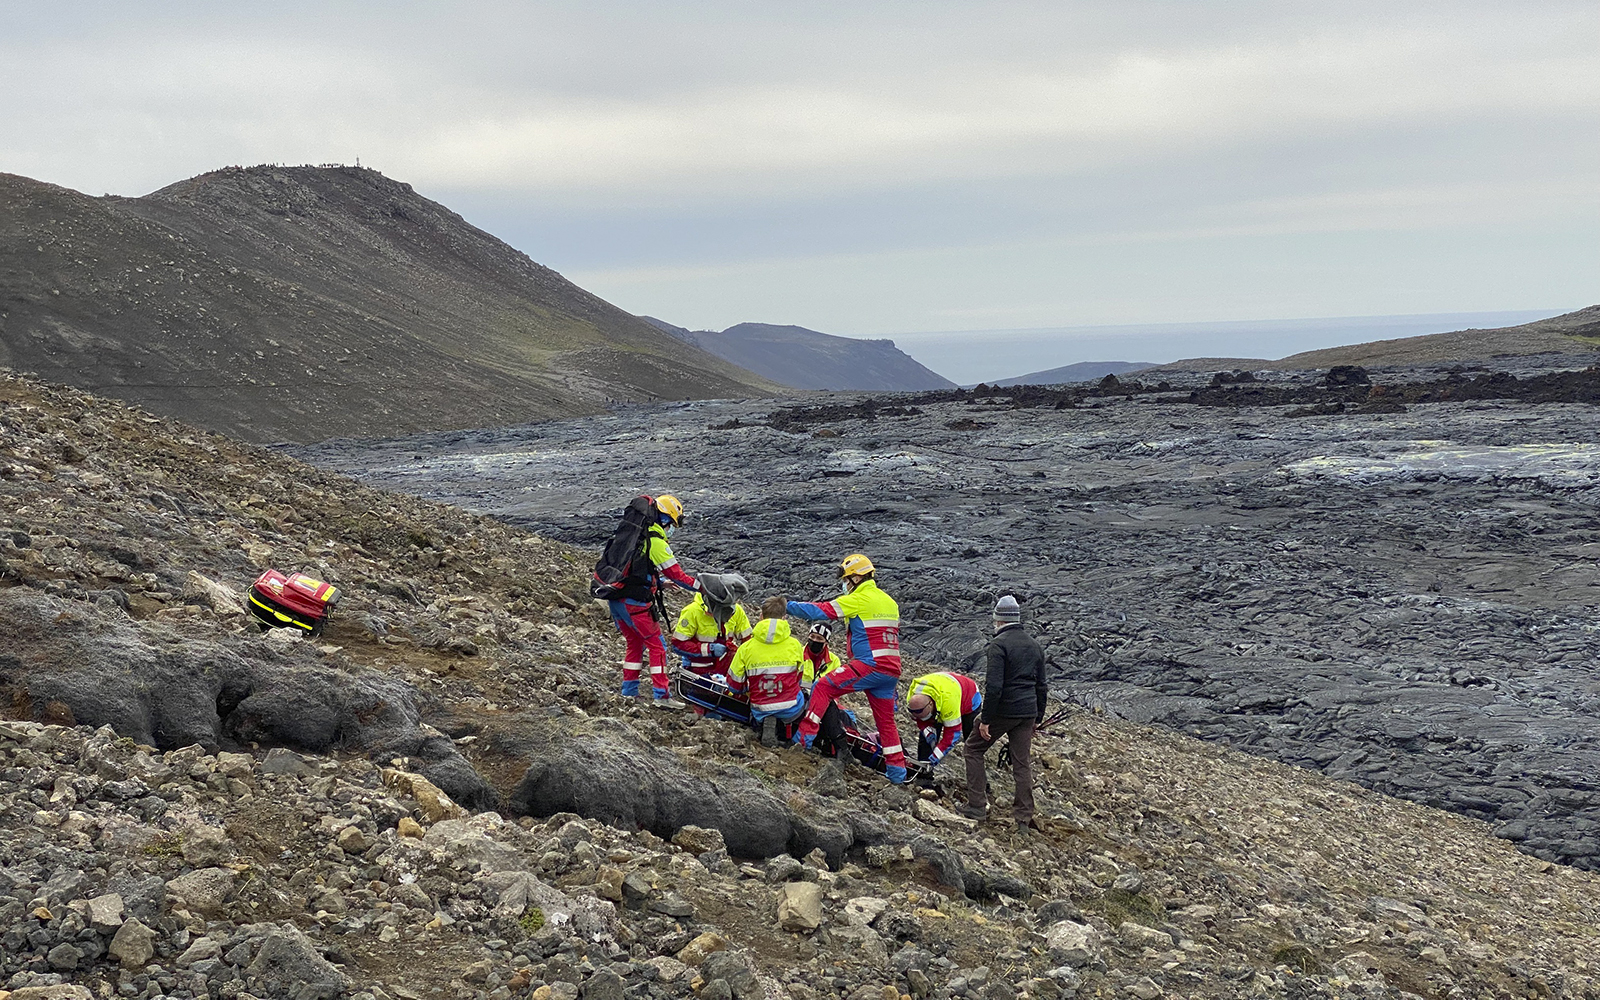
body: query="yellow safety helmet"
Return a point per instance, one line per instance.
(671, 506)
(856, 564)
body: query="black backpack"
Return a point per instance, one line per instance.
(622, 562)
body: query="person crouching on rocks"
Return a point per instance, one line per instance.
(713, 626)
(635, 609)
(1014, 694)
(767, 669)
(873, 620)
(945, 707)
(820, 661)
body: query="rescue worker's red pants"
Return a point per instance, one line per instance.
(639, 629)
(879, 689)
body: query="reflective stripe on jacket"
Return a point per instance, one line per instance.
(697, 630)
(768, 666)
(952, 695)
(873, 619)
(662, 562)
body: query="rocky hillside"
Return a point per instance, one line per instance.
(441, 797)
(806, 359)
(277, 303)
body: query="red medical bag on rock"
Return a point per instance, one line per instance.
(293, 601)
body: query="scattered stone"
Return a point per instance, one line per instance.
(289, 964)
(133, 945)
(930, 812)
(434, 804)
(352, 841)
(219, 598)
(696, 951)
(235, 765)
(783, 868)
(60, 991)
(1140, 936)
(863, 910)
(736, 969)
(669, 970)
(604, 985)
(204, 891)
(105, 912)
(1145, 988)
(1072, 944)
(206, 846)
(800, 906)
(698, 840)
(283, 761)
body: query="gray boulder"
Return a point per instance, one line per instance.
(289, 965)
(607, 771)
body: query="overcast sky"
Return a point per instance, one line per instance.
(874, 169)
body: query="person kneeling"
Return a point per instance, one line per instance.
(945, 706)
(711, 627)
(767, 669)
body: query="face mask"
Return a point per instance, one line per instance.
(816, 647)
(672, 529)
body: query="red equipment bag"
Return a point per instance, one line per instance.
(293, 601)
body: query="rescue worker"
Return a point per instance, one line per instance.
(820, 661)
(944, 706)
(1014, 694)
(873, 620)
(767, 670)
(634, 610)
(713, 625)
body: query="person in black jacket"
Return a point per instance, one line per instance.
(1014, 695)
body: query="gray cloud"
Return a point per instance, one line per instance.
(879, 168)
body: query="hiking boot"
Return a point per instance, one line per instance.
(769, 731)
(974, 812)
(1029, 826)
(670, 703)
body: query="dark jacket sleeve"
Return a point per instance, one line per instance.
(1043, 684)
(994, 681)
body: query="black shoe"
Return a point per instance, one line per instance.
(769, 731)
(974, 812)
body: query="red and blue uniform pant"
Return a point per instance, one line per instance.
(636, 621)
(879, 688)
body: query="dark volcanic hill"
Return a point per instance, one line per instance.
(806, 359)
(1083, 371)
(1576, 332)
(278, 303)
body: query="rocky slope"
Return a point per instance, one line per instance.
(299, 303)
(806, 359)
(191, 809)
(1575, 333)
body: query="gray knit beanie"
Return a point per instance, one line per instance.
(1006, 609)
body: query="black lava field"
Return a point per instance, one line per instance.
(1393, 583)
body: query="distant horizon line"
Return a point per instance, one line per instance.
(1218, 325)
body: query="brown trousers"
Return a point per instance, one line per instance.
(1021, 733)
